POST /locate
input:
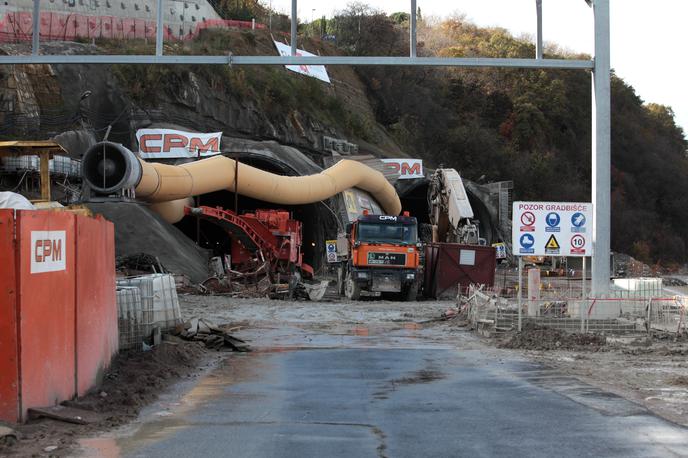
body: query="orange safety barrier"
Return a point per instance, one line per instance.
(9, 368)
(58, 307)
(96, 301)
(46, 306)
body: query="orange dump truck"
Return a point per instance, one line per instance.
(383, 256)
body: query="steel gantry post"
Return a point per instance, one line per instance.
(601, 151)
(539, 53)
(158, 29)
(35, 38)
(412, 29)
(294, 25)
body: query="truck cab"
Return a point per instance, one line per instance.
(383, 256)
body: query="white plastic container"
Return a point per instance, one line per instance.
(133, 328)
(158, 294)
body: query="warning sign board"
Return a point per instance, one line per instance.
(500, 250)
(331, 248)
(552, 228)
(552, 247)
(578, 244)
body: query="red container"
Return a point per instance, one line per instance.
(46, 307)
(96, 301)
(9, 343)
(449, 266)
(58, 310)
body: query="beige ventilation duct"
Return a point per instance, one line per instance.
(109, 167)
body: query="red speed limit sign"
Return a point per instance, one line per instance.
(578, 244)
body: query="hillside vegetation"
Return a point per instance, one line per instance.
(529, 126)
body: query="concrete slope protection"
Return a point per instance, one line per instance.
(110, 167)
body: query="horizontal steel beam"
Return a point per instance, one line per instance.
(298, 60)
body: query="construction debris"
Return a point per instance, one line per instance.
(230, 286)
(66, 414)
(214, 337)
(534, 337)
(139, 264)
(8, 436)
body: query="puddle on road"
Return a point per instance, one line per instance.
(165, 418)
(360, 331)
(105, 447)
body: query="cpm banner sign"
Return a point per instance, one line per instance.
(315, 71)
(170, 144)
(407, 169)
(48, 251)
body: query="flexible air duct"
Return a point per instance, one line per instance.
(168, 187)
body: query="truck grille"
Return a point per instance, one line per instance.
(386, 259)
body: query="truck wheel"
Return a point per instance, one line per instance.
(352, 290)
(411, 292)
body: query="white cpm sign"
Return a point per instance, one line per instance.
(552, 229)
(315, 71)
(406, 168)
(170, 144)
(48, 251)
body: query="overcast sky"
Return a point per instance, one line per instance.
(648, 38)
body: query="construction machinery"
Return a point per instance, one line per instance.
(264, 243)
(266, 236)
(383, 256)
(451, 214)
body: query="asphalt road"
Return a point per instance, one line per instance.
(395, 400)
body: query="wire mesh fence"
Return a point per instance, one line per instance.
(134, 318)
(144, 303)
(58, 165)
(498, 310)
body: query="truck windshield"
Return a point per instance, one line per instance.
(387, 233)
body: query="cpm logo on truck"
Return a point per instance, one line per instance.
(48, 251)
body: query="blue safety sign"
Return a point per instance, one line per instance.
(553, 219)
(527, 241)
(331, 248)
(578, 222)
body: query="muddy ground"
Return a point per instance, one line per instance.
(134, 381)
(654, 373)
